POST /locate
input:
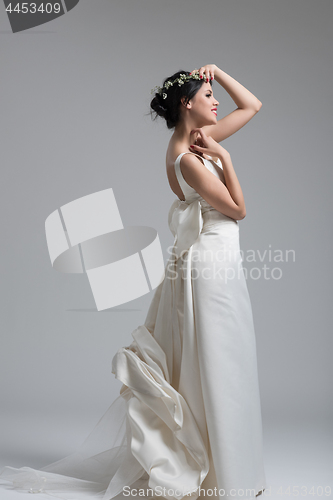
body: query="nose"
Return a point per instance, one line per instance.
(216, 102)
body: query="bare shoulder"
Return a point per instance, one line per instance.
(194, 171)
(192, 163)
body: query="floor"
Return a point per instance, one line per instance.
(298, 459)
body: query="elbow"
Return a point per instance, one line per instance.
(242, 214)
(258, 106)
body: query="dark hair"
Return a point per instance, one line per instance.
(169, 108)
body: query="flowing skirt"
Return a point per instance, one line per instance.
(188, 417)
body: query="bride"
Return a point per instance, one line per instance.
(187, 422)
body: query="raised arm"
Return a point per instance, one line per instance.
(248, 104)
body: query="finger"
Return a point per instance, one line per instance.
(201, 132)
(195, 135)
(194, 130)
(201, 137)
(195, 147)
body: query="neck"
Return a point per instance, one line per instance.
(183, 134)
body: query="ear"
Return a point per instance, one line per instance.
(186, 103)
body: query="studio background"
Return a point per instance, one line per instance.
(75, 120)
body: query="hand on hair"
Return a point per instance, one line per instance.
(207, 70)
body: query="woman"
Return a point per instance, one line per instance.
(212, 301)
(188, 419)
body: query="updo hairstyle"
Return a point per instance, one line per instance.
(169, 108)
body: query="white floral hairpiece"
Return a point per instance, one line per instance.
(180, 80)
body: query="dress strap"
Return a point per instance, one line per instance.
(185, 187)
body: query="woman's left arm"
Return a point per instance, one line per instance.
(248, 104)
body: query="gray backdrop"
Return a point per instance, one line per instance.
(75, 95)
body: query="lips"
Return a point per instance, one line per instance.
(214, 110)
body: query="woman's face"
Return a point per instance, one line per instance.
(204, 106)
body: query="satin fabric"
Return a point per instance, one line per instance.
(188, 415)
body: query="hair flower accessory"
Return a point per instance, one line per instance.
(180, 80)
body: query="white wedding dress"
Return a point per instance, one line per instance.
(188, 414)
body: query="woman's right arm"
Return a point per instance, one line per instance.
(227, 200)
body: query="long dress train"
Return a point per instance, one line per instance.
(188, 417)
